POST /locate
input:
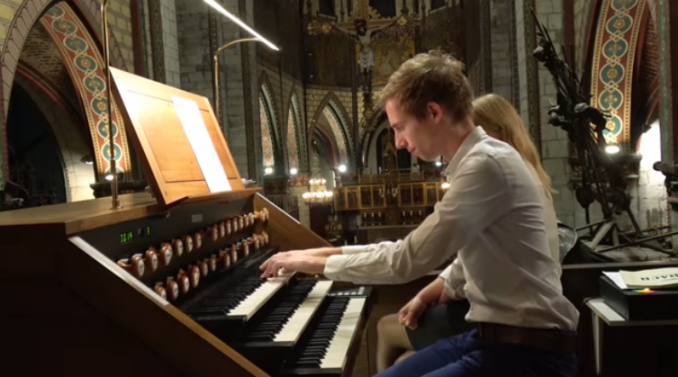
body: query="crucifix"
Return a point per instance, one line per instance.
(363, 35)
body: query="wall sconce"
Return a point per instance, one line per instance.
(612, 149)
(342, 168)
(294, 171)
(268, 171)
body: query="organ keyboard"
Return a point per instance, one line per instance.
(330, 340)
(288, 325)
(168, 284)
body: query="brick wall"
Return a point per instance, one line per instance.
(521, 102)
(170, 43)
(580, 29)
(315, 95)
(195, 60)
(120, 24)
(501, 42)
(196, 70)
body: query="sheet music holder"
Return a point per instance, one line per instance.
(183, 151)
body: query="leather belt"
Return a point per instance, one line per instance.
(545, 339)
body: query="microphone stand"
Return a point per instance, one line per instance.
(217, 83)
(115, 204)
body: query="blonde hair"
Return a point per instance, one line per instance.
(497, 115)
(432, 77)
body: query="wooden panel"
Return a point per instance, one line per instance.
(77, 303)
(160, 325)
(71, 338)
(80, 216)
(155, 128)
(286, 231)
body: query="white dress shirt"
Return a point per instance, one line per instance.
(493, 218)
(454, 273)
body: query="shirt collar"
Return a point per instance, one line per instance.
(465, 147)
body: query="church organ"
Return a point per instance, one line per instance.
(168, 285)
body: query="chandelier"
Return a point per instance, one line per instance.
(318, 193)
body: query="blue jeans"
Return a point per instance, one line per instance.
(466, 355)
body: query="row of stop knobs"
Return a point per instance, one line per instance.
(189, 278)
(151, 260)
(235, 224)
(138, 264)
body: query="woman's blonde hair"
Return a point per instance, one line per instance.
(497, 115)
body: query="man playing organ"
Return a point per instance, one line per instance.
(491, 217)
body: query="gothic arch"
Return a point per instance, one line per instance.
(25, 17)
(296, 138)
(330, 141)
(614, 56)
(73, 147)
(368, 138)
(84, 64)
(266, 87)
(332, 108)
(270, 135)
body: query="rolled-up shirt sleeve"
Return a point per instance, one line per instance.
(477, 196)
(353, 249)
(454, 280)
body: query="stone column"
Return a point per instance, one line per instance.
(503, 42)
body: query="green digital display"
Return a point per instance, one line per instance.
(129, 236)
(126, 237)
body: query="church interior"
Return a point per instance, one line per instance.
(115, 245)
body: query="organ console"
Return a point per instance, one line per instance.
(168, 284)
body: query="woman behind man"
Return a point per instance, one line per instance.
(399, 334)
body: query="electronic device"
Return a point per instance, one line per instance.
(640, 304)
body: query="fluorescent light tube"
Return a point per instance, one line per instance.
(243, 25)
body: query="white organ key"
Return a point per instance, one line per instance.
(297, 322)
(341, 341)
(258, 298)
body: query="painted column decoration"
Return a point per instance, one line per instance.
(292, 146)
(613, 57)
(85, 66)
(266, 140)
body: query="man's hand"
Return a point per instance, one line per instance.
(410, 313)
(293, 261)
